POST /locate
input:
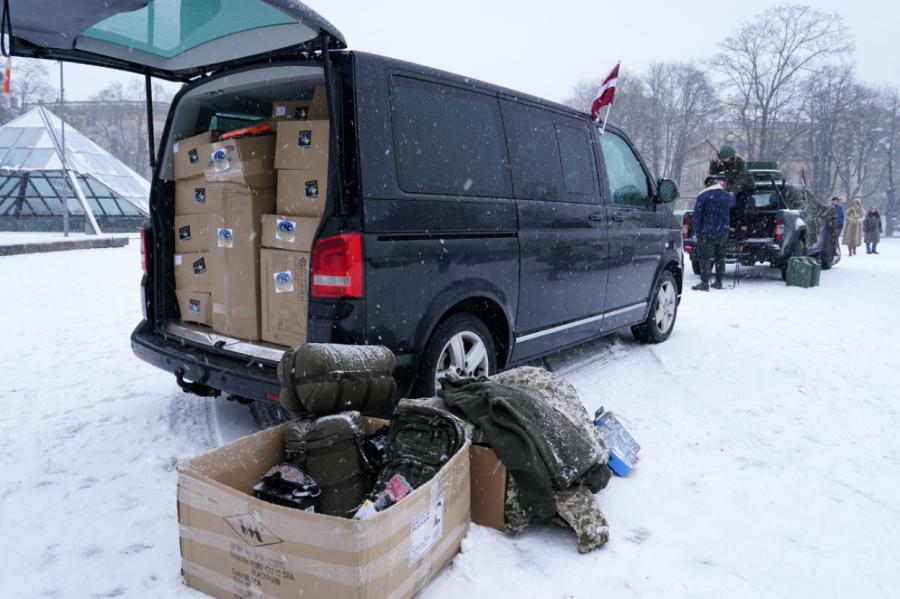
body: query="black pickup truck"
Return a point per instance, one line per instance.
(763, 229)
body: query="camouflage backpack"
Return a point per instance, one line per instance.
(330, 450)
(326, 378)
(421, 439)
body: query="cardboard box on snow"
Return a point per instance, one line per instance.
(243, 161)
(195, 306)
(284, 287)
(488, 488)
(234, 216)
(191, 233)
(190, 196)
(302, 192)
(192, 271)
(286, 232)
(302, 110)
(234, 545)
(189, 154)
(302, 145)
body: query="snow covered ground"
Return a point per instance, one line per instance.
(770, 463)
(17, 237)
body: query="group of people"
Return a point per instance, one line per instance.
(859, 227)
(714, 205)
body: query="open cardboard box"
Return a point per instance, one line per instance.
(234, 545)
(488, 487)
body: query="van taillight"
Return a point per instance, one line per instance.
(145, 240)
(685, 225)
(337, 267)
(779, 228)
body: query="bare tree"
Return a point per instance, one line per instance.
(763, 62)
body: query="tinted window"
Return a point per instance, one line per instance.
(447, 140)
(627, 180)
(577, 159)
(533, 152)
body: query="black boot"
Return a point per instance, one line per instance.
(701, 286)
(717, 284)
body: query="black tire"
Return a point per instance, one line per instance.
(267, 414)
(466, 325)
(654, 330)
(695, 266)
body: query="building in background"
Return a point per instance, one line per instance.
(35, 191)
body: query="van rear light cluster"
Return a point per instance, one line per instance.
(145, 249)
(779, 228)
(338, 267)
(685, 225)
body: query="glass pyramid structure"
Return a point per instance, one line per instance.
(35, 190)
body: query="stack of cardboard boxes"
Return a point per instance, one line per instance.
(192, 279)
(240, 267)
(301, 157)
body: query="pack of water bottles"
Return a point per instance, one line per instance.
(623, 449)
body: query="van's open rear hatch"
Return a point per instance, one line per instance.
(171, 39)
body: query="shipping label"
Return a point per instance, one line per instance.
(220, 160)
(284, 282)
(225, 238)
(426, 529)
(285, 230)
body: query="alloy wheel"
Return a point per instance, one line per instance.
(665, 307)
(465, 354)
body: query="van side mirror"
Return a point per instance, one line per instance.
(667, 191)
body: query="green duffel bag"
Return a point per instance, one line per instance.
(327, 378)
(330, 450)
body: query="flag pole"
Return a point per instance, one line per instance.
(606, 120)
(62, 120)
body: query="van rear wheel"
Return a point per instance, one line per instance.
(462, 345)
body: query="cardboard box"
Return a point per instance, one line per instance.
(302, 145)
(195, 306)
(302, 192)
(190, 196)
(243, 161)
(235, 215)
(488, 485)
(284, 287)
(302, 110)
(234, 545)
(189, 154)
(286, 232)
(192, 271)
(191, 234)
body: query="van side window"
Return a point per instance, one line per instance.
(577, 159)
(447, 140)
(533, 152)
(627, 180)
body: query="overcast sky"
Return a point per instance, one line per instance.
(544, 48)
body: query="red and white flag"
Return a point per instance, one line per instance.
(605, 94)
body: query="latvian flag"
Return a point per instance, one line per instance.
(605, 94)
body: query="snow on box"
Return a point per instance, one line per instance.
(233, 544)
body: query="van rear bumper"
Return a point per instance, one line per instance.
(234, 376)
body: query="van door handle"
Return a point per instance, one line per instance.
(597, 216)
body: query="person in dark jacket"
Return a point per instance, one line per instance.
(872, 230)
(836, 202)
(712, 221)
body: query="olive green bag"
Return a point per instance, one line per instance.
(329, 449)
(327, 378)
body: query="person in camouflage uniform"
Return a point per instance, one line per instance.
(576, 507)
(734, 168)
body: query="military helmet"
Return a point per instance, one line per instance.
(726, 152)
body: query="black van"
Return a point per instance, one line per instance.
(467, 227)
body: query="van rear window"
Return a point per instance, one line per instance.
(447, 140)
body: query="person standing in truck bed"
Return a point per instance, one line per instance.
(734, 168)
(712, 221)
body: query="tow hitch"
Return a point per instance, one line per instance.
(195, 387)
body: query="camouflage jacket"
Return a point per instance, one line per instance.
(576, 507)
(740, 181)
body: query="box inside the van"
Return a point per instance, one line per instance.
(237, 143)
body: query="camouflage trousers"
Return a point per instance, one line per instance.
(576, 509)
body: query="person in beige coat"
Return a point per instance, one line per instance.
(854, 226)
